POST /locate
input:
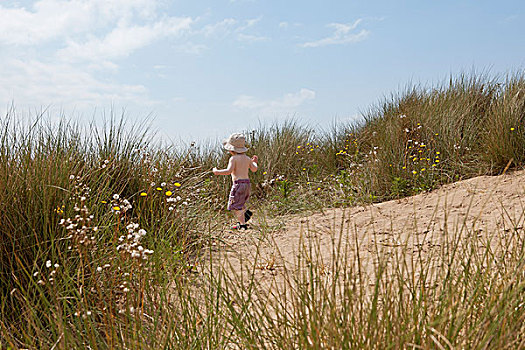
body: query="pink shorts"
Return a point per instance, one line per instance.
(239, 194)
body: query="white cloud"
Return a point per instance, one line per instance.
(284, 25)
(228, 26)
(191, 48)
(70, 42)
(223, 27)
(124, 39)
(249, 23)
(288, 103)
(37, 83)
(77, 48)
(59, 19)
(343, 34)
(251, 38)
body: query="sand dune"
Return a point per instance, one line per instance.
(491, 208)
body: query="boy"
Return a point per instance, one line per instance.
(238, 167)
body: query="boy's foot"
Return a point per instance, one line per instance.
(240, 226)
(247, 215)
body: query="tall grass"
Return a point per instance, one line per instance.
(73, 199)
(463, 294)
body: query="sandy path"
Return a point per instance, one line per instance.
(416, 225)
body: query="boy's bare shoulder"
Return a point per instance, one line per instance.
(239, 157)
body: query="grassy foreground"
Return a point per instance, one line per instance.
(99, 227)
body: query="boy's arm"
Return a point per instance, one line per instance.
(226, 171)
(253, 164)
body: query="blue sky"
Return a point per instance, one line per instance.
(204, 68)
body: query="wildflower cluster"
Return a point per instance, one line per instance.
(281, 183)
(120, 205)
(271, 182)
(79, 227)
(170, 194)
(104, 164)
(306, 149)
(44, 278)
(130, 243)
(350, 146)
(419, 157)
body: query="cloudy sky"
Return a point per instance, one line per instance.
(205, 68)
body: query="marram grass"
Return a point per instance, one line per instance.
(100, 226)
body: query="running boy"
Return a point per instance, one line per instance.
(238, 167)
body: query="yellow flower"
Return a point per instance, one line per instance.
(103, 202)
(437, 160)
(318, 188)
(159, 189)
(414, 172)
(298, 146)
(59, 210)
(265, 173)
(116, 208)
(143, 194)
(176, 184)
(423, 169)
(437, 153)
(168, 193)
(511, 129)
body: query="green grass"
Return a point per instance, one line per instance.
(103, 297)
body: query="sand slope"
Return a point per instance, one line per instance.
(418, 225)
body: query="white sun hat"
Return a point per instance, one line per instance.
(236, 142)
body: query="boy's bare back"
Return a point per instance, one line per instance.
(241, 164)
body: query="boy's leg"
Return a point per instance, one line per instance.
(239, 214)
